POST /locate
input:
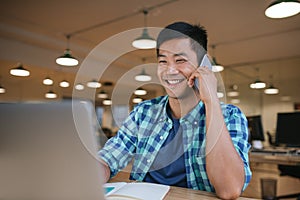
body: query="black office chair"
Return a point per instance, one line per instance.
(286, 170)
(293, 171)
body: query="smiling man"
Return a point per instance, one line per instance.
(187, 138)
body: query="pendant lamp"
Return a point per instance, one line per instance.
(67, 59)
(94, 84)
(216, 67)
(50, 95)
(144, 41)
(79, 86)
(140, 91)
(143, 76)
(2, 90)
(102, 95)
(48, 81)
(271, 90)
(257, 84)
(282, 9)
(19, 71)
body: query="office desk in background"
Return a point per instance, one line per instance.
(265, 165)
(274, 158)
(176, 193)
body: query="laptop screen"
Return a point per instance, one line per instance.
(49, 151)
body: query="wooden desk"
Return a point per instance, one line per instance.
(281, 159)
(176, 193)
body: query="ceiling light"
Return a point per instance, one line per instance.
(137, 100)
(216, 67)
(19, 71)
(50, 95)
(235, 101)
(283, 8)
(102, 94)
(233, 91)
(67, 59)
(93, 84)
(140, 91)
(47, 81)
(2, 90)
(144, 41)
(271, 90)
(258, 84)
(220, 94)
(107, 102)
(64, 84)
(79, 86)
(143, 76)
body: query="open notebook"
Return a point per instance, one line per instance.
(48, 151)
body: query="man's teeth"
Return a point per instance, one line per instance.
(173, 81)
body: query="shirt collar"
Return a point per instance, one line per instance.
(194, 116)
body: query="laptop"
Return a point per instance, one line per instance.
(49, 151)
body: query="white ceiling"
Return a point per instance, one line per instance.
(34, 32)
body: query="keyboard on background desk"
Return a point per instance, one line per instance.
(275, 151)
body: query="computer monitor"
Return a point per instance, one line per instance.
(255, 128)
(287, 129)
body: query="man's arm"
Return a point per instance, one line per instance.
(106, 170)
(224, 166)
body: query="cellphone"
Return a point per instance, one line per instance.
(205, 62)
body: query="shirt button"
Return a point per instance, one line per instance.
(160, 119)
(161, 137)
(148, 161)
(195, 122)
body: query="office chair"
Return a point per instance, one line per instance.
(286, 170)
(293, 171)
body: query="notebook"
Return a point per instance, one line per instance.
(48, 151)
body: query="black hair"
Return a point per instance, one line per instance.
(196, 33)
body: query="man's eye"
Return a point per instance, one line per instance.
(162, 62)
(180, 61)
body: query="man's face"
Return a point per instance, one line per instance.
(176, 62)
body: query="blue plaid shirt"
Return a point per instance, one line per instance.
(144, 131)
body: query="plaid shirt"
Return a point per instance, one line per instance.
(145, 130)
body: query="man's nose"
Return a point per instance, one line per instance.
(172, 68)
